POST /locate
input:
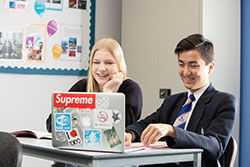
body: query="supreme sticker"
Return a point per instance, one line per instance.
(74, 100)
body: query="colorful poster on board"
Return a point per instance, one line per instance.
(16, 5)
(10, 46)
(54, 4)
(46, 36)
(34, 43)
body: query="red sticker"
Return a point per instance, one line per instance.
(74, 100)
(73, 133)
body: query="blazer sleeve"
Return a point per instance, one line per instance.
(133, 99)
(48, 123)
(80, 86)
(161, 115)
(214, 129)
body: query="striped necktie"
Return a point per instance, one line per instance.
(182, 116)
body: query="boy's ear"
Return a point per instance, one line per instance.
(211, 67)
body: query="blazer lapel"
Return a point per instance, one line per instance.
(200, 108)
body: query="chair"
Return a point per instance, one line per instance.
(230, 152)
(10, 151)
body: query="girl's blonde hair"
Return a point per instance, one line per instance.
(115, 49)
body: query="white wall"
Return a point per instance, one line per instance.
(149, 36)
(147, 30)
(108, 16)
(221, 23)
(25, 99)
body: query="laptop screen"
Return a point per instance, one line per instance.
(88, 121)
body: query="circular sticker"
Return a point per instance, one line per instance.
(51, 27)
(73, 133)
(57, 51)
(102, 116)
(39, 7)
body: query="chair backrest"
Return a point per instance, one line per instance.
(10, 151)
(230, 152)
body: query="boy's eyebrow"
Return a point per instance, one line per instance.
(192, 62)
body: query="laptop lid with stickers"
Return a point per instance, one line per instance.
(88, 121)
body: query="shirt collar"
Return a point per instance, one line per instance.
(198, 93)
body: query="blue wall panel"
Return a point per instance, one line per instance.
(244, 159)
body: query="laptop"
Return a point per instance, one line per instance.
(88, 121)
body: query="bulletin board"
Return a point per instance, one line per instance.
(51, 37)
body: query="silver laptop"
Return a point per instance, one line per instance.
(88, 121)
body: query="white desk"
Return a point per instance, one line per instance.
(43, 149)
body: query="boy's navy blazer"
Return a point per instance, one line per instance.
(209, 127)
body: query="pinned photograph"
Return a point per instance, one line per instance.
(10, 45)
(82, 4)
(54, 4)
(72, 43)
(21, 6)
(72, 54)
(35, 54)
(29, 42)
(79, 49)
(72, 4)
(12, 4)
(64, 47)
(57, 1)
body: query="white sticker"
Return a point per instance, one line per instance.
(73, 137)
(92, 138)
(86, 121)
(103, 118)
(102, 103)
